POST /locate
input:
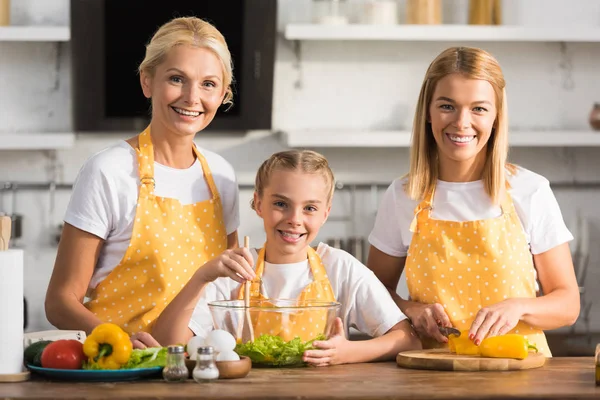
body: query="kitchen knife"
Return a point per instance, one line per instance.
(447, 331)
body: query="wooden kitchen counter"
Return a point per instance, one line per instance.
(560, 378)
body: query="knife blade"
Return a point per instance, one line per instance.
(447, 331)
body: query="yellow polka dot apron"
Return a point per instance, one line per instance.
(465, 266)
(303, 324)
(169, 242)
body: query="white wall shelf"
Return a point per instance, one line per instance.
(442, 33)
(36, 141)
(35, 33)
(382, 139)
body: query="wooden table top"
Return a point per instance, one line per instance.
(560, 378)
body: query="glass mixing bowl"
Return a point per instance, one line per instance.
(282, 329)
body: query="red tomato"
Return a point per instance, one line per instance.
(63, 354)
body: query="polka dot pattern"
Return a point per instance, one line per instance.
(169, 243)
(290, 324)
(466, 266)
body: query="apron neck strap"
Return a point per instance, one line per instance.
(146, 160)
(314, 262)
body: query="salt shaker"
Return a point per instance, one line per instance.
(175, 370)
(206, 368)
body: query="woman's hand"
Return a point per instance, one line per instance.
(497, 319)
(233, 263)
(427, 318)
(142, 340)
(331, 351)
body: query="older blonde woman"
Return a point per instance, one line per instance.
(472, 232)
(146, 213)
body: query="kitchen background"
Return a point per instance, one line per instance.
(334, 86)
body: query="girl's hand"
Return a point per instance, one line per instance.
(233, 263)
(331, 351)
(141, 340)
(497, 319)
(427, 318)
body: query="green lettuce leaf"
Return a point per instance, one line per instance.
(274, 351)
(147, 358)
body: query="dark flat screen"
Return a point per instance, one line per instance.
(129, 26)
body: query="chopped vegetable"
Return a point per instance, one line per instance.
(274, 351)
(462, 344)
(506, 346)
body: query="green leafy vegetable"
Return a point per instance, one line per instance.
(140, 358)
(274, 351)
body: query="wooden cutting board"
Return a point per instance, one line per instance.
(443, 360)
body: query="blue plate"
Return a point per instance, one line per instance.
(92, 375)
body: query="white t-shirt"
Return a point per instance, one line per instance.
(105, 194)
(534, 201)
(366, 305)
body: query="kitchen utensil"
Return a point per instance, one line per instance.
(336, 243)
(17, 219)
(443, 360)
(96, 375)
(595, 117)
(380, 12)
(226, 313)
(4, 12)
(423, 12)
(330, 12)
(485, 12)
(447, 331)
(356, 247)
(5, 229)
(247, 330)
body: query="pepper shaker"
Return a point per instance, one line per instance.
(175, 370)
(206, 368)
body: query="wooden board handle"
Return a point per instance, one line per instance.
(5, 231)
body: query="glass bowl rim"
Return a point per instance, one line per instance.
(312, 304)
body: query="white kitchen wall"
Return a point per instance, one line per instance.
(344, 86)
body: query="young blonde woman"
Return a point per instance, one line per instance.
(473, 233)
(146, 213)
(293, 193)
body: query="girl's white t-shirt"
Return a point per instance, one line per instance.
(532, 196)
(366, 305)
(105, 194)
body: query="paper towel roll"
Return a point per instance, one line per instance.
(11, 311)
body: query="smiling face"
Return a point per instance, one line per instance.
(294, 205)
(186, 90)
(462, 113)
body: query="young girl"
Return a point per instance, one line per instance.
(293, 194)
(472, 231)
(147, 212)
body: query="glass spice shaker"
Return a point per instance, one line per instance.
(206, 368)
(175, 370)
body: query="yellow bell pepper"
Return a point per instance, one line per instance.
(462, 344)
(108, 346)
(506, 346)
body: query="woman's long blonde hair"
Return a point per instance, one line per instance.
(471, 63)
(194, 32)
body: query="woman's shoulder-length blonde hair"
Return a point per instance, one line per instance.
(191, 31)
(472, 63)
